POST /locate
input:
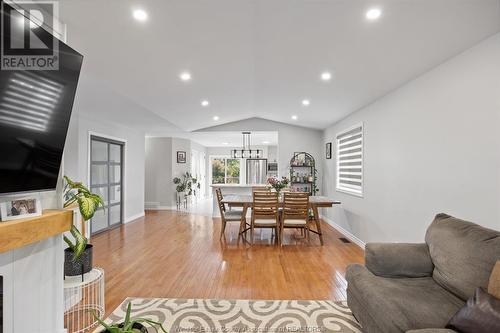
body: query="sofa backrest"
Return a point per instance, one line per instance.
(463, 254)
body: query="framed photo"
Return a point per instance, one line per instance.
(20, 208)
(181, 157)
(328, 150)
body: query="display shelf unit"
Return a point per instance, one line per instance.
(303, 173)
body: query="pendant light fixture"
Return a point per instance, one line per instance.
(246, 151)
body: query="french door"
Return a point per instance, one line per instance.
(106, 179)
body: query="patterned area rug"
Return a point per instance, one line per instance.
(224, 316)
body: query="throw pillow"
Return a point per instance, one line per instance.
(494, 284)
(481, 314)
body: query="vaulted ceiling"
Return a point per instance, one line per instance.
(261, 58)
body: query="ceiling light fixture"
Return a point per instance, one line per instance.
(265, 142)
(185, 76)
(216, 118)
(306, 102)
(373, 14)
(326, 76)
(225, 143)
(294, 117)
(205, 103)
(246, 151)
(140, 15)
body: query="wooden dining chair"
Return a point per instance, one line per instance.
(265, 213)
(295, 213)
(226, 215)
(260, 189)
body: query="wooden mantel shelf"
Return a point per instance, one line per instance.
(19, 233)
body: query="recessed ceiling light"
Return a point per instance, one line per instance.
(326, 76)
(205, 103)
(225, 143)
(306, 102)
(140, 15)
(185, 76)
(215, 118)
(265, 142)
(373, 14)
(294, 117)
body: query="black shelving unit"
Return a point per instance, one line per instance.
(303, 165)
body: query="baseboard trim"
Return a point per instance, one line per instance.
(161, 208)
(134, 217)
(344, 232)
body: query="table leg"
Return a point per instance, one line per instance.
(318, 223)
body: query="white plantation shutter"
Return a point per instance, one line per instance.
(350, 160)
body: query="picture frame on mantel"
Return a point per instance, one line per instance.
(20, 208)
(328, 150)
(181, 157)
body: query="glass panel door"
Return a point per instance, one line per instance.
(106, 179)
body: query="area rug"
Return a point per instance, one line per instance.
(224, 316)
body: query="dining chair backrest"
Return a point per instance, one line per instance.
(296, 205)
(260, 189)
(265, 204)
(222, 207)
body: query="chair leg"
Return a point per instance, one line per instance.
(251, 234)
(281, 234)
(223, 228)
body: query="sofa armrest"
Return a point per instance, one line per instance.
(398, 259)
(433, 330)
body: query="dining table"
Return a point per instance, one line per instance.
(315, 202)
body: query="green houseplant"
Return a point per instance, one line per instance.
(187, 185)
(130, 325)
(78, 255)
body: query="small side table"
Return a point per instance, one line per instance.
(82, 299)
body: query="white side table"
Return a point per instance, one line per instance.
(81, 298)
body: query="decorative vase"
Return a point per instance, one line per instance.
(80, 266)
(137, 326)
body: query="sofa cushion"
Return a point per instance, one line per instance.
(463, 254)
(402, 304)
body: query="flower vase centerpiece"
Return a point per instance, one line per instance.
(278, 184)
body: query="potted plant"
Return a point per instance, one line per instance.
(130, 325)
(186, 186)
(78, 255)
(278, 184)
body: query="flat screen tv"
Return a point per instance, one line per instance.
(35, 110)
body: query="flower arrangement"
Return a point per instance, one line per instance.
(278, 184)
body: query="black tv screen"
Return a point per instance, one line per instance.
(35, 103)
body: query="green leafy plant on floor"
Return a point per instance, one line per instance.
(88, 203)
(187, 185)
(128, 324)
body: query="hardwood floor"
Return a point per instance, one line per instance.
(180, 255)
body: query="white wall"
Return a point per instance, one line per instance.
(158, 172)
(431, 146)
(162, 167)
(291, 139)
(76, 157)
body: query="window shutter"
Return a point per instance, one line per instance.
(350, 161)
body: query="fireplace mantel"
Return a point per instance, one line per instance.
(19, 233)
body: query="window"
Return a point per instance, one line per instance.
(350, 161)
(225, 170)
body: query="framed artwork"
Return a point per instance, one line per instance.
(20, 208)
(181, 157)
(328, 150)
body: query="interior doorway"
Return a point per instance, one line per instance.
(106, 179)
